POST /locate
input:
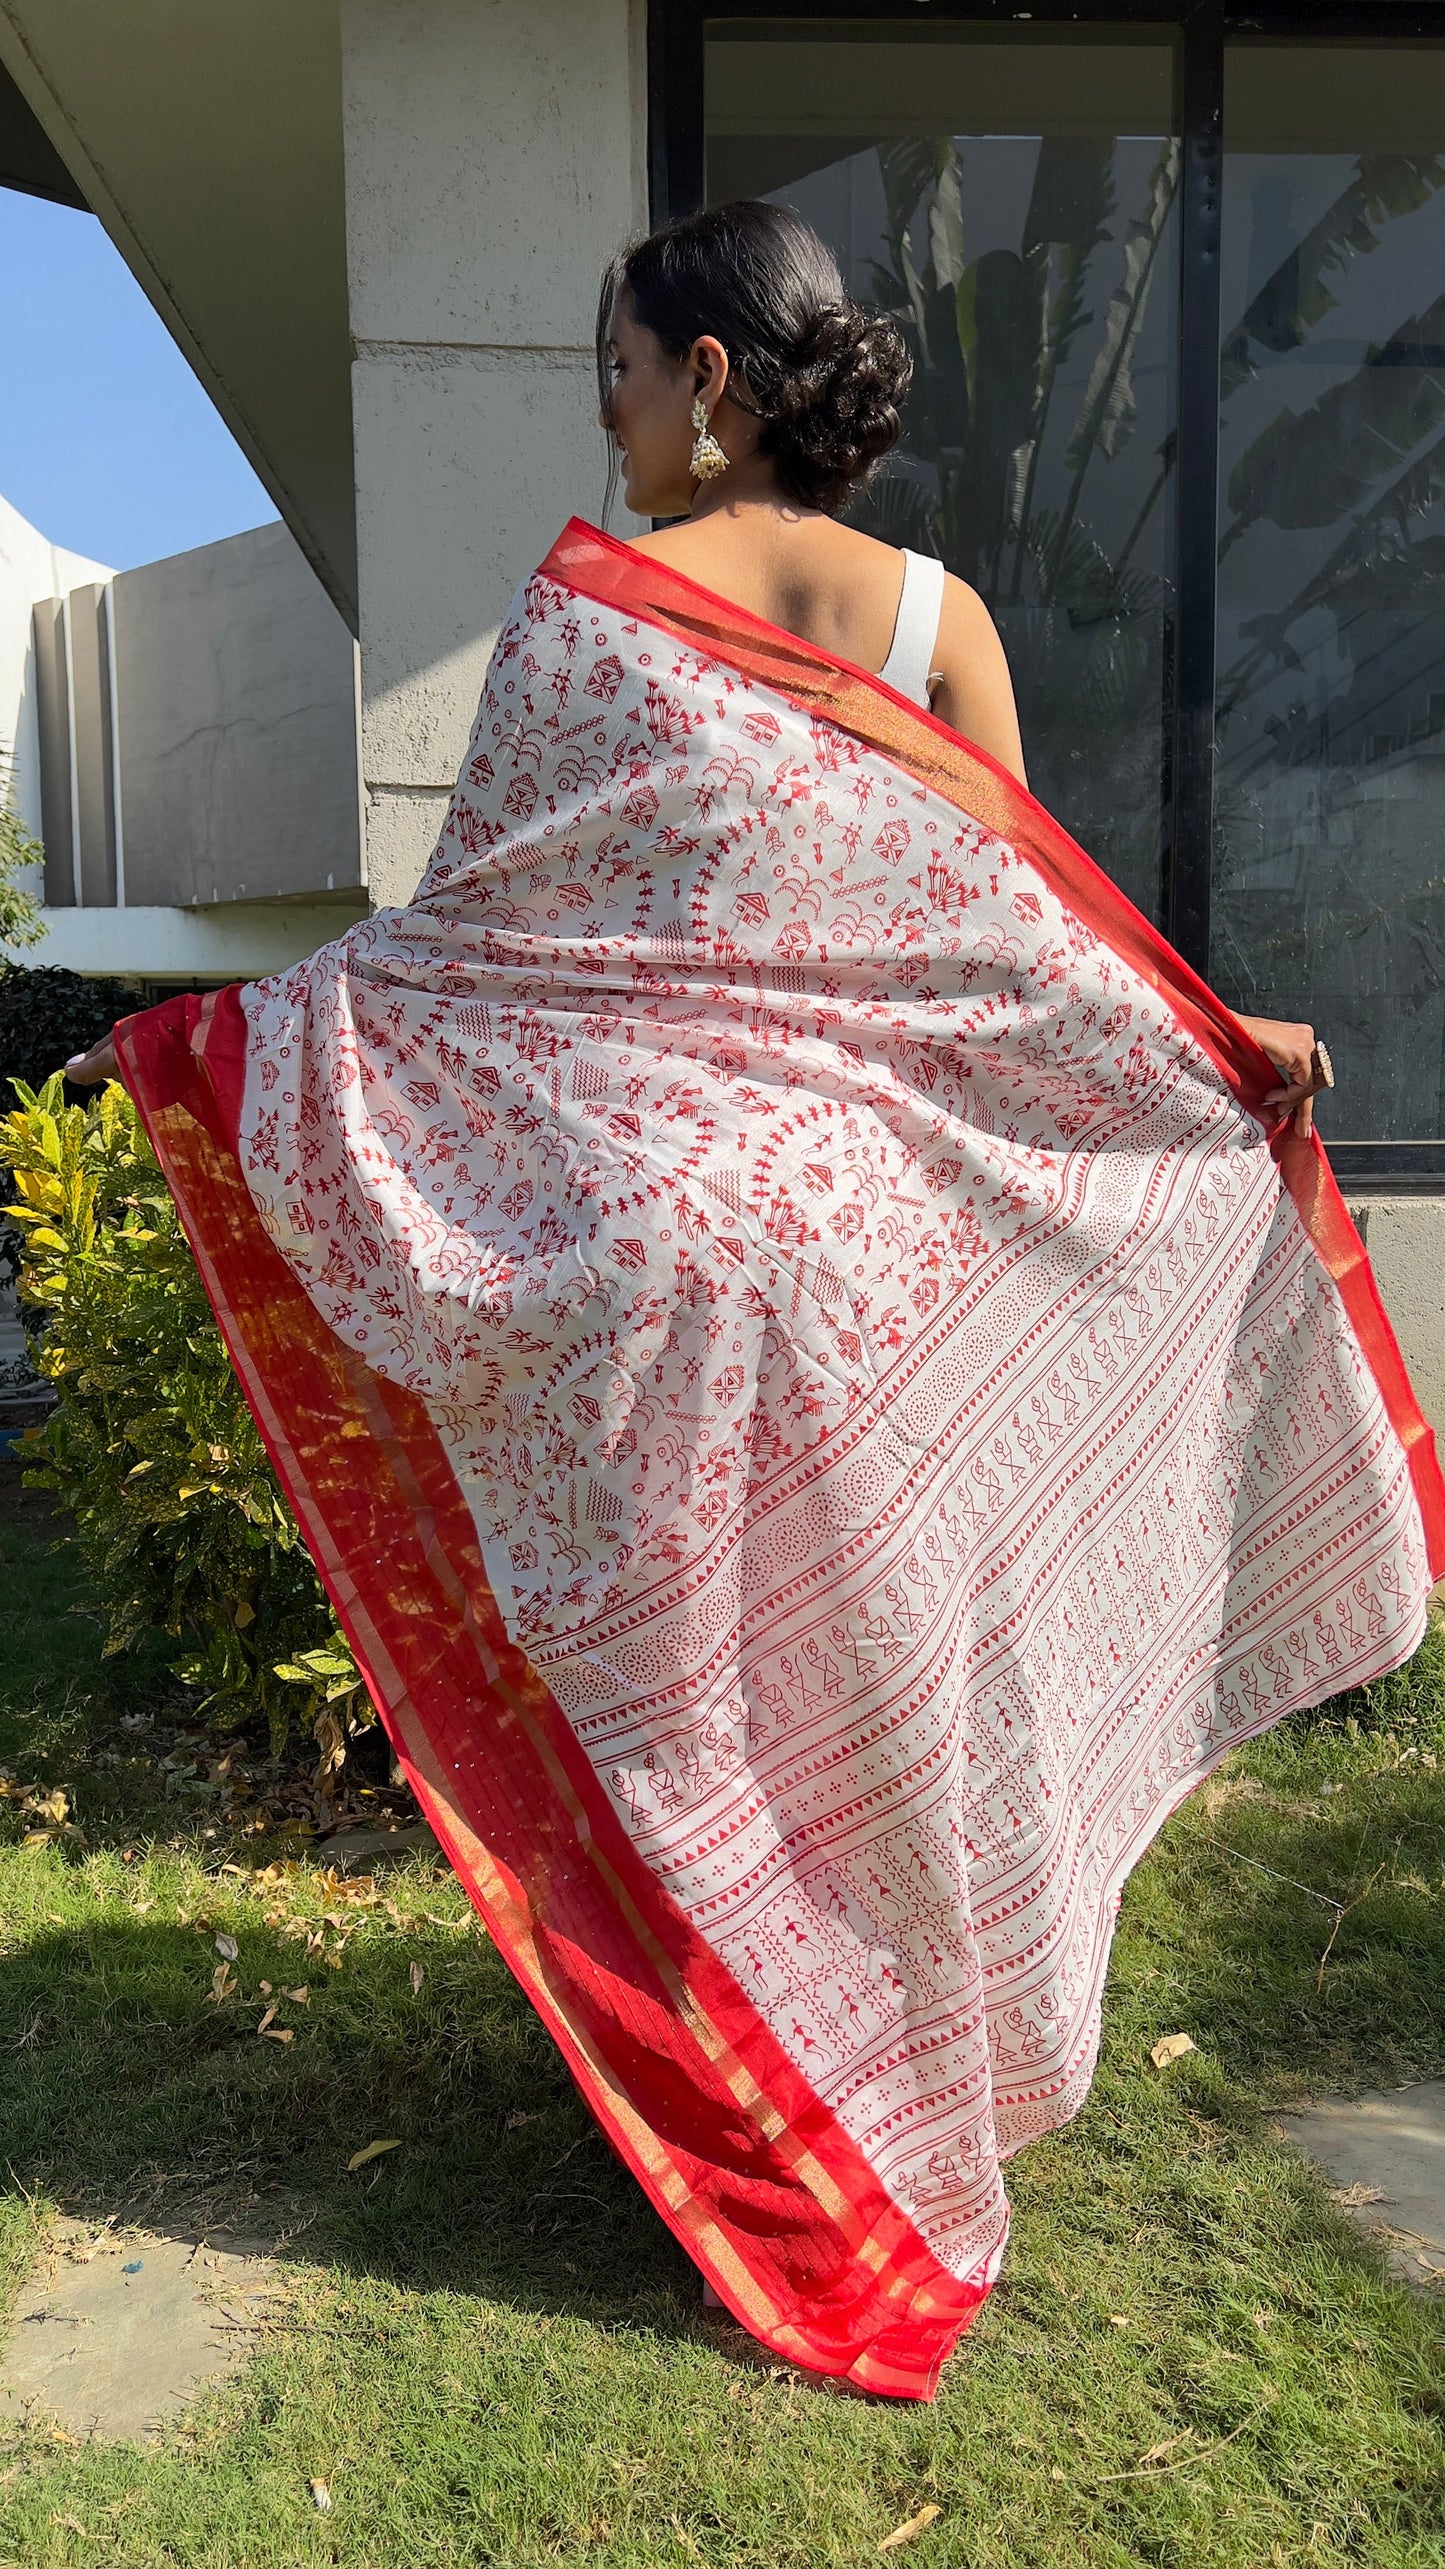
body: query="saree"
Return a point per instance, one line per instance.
(821, 1406)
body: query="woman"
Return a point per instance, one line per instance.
(825, 1373)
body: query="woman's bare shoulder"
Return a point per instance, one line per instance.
(976, 694)
(861, 552)
(814, 533)
(964, 612)
(659, 540)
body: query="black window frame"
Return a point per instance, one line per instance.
(675, 42)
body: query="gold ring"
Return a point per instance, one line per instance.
(1322, 1066)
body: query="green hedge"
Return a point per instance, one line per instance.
(46, 1015)
(151, 1445)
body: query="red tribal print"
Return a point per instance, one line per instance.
(818, 1404)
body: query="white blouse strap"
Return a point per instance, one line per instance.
(915, 631)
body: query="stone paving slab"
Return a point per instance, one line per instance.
(1386, 2154)
(119, 2328)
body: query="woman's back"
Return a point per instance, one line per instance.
(835, 587)
(840, 590)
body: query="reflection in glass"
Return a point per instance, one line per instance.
(1014, 204)
(1328, 897)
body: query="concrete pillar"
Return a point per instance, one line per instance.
(495, 156)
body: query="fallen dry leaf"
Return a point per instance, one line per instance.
(1172, 2047)
(910, 2531)
(350, 1886)
(268, 2019)
(1352, 2196)
(277, 2033)
(373, 2150)
(228, 1947)
(1157, 2452)
(1147, 2469)
(224, 1984)
(320, 2496)
(417, 1977)
(300, 1997)
(1117, 2319)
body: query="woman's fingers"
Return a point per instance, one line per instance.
(1304, 1087)
(1298, 1100)
(88, 1069)
(1293, 1053)
(1291, 1048)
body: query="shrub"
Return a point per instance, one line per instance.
(22, 921)
(46, 1015)
(151, 1445)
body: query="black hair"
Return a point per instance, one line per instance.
(824, 375)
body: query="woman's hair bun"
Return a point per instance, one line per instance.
(838, 407)
(825, 376)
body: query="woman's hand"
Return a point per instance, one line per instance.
(1294, 1053)
(88, 1069)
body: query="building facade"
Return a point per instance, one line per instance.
(1172, 277)
(188, 752)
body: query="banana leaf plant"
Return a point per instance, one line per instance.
(996, 480)
(1328, 890)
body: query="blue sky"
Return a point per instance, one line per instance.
(107, 442)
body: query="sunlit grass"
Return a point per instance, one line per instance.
(492, 2351)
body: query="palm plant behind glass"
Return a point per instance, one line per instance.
(992, 482)
(1329, 891)
(1329, 894)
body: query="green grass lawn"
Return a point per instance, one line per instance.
(490, 2348)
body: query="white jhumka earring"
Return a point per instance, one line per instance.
(708, 458)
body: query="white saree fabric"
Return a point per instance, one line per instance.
(906, 1420)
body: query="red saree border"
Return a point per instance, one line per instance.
(616, 574)
(739, 2155)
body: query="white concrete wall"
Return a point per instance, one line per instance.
(495, 157)
(236, 682)
(31, 568)
(235, 941)
(237, 634)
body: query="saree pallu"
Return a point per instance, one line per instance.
(819, 1404)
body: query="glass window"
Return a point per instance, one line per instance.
(1014, 203)
(1328, 892)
